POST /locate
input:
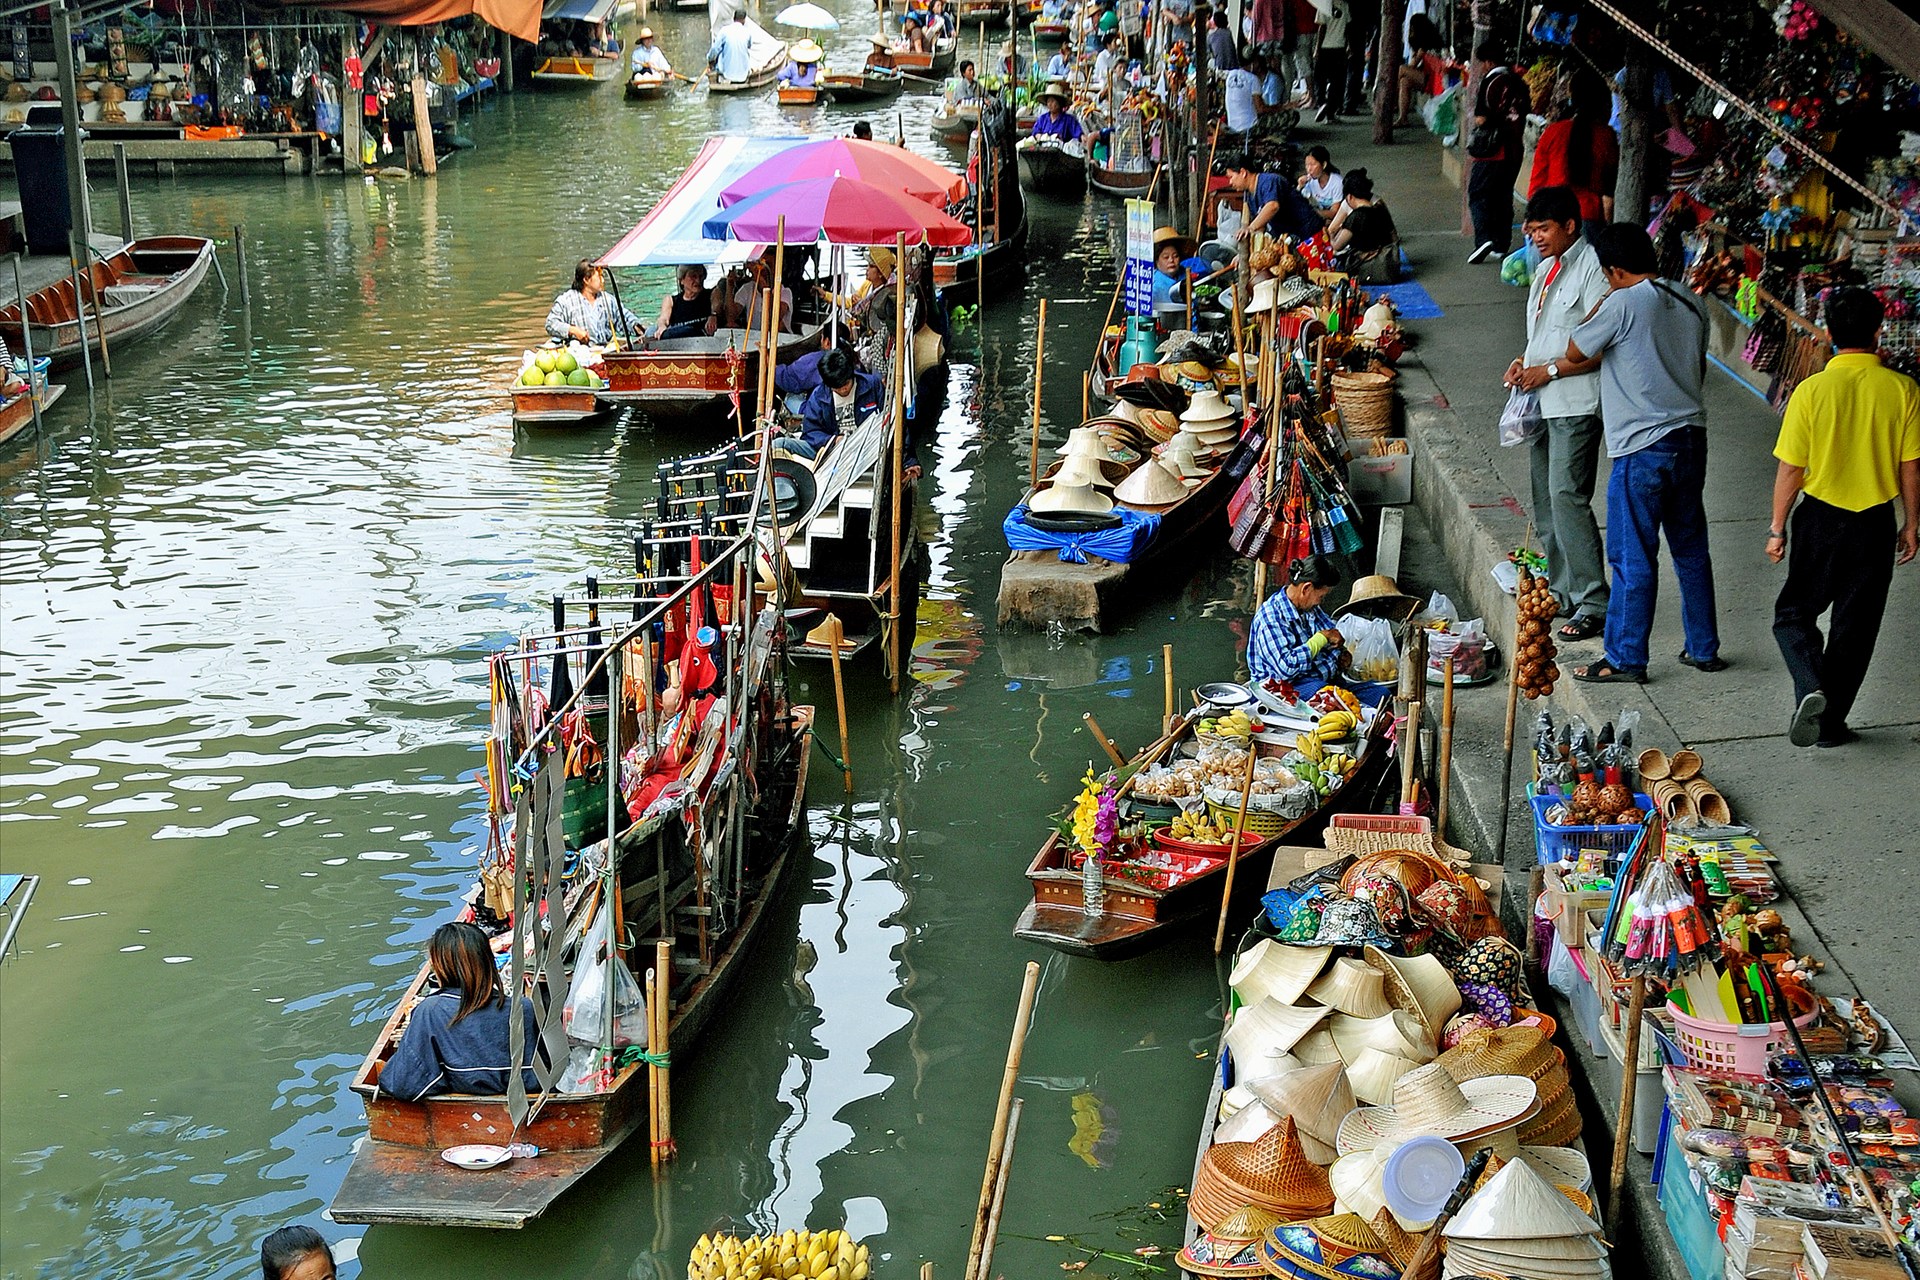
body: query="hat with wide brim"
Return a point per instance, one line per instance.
(1152, 485)
(831, 633)
(1356, 1183)
(1518, 1204)
(794, 486)
(1210, 442)
(1271, 1028)
(1428, 1100)
(1318, 1097)
(1373, 1073)
(1083, 469)
(1233, 1249)
(1420, 985)
(1151, 393)
(1056, 89)
(1316, 1048)
(1208, 406)
(1162, 235)
(1179, 456)
(1378, 596)
(1272, 1173)
(1272, 970)
(1336, 1247)
(806, 51)
(1076, 498)
(1395, 1031)
(1503, 1051)
(645, 33)
(1089, 442)
(1354, 987)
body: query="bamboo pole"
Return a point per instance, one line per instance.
(902, 370)
(1410, 756)
(1444, 782)
(1233, 849)
(663, 974)
(653, 1052)
(773, 323)
(1166, 670)
(996, 1145)
(999, 1193)
(1106, 743)
(1629, 1080)
(1513, 708)
(1039, 364)
(834, 632)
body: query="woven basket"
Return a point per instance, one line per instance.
(1365, 401)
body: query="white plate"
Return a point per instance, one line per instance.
(478, 1155)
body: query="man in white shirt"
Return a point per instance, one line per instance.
(1242, 86)
(1567, 285)
(1330, 61)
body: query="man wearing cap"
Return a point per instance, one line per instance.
(1056, 122)
(648, 58)
(1293, 638)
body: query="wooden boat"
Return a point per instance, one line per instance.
(1125, 183)
(871, 85)
(761, 75)
(793, 95)
(681, 376)
(648, 86)
(1144, 906)
(576, 71)
(16, 415)
(703, 869)
(983, 13)
(935, 64)
(558, 406)
(997, 258)
(955, 123)
(137, 289)
(1053, 168)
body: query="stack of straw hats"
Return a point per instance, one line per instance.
(1089, 441)
(1428, 1100)
(1178, 456)
(1419, 985)
(1519, 1226)
(1231, 1249)
(1330, 1248)
(1317, 1097)
(1210, 421)
(1272, 1173)
(1522, 1051)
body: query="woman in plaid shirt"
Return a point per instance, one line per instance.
(1293, 638)
(587, 313)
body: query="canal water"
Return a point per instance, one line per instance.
(246, 599)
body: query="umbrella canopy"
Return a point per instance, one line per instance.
(891, 168)
(840, 210)
(808, 17)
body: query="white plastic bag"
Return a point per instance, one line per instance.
(586, 1012)
(1521, 422)
(1438, 608)
(1467, 642)
(1376, 658)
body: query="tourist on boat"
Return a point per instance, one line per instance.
(1320, 182)
(1056, 123)
(599, 44)
(457, 1037)
(687, 313)
(913, 38)
(1293, 638)
(940, 23)
(297, 1252)
(1112, 55)
(743, 310)
(863, 131)
(1170, 251)
(587, 312)
(853, 306)
(846, 395)
(731, 56)
(804, 71)
(1059, 66)
(648, 58)
(1013, 64)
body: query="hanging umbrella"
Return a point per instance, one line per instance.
(808, 17)
(839, 209)
(888, 167)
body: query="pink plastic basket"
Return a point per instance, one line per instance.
(1744, 1049)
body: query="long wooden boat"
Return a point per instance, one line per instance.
(983, 13)
(1143, 907)
(1051, 30)
(648, 87)
(955, 124)
(872, 85)
(558, 406)
(16, 415)
(702, 869)
(931, 64)
(759, 77)
(1125, 183)
(1053, 168)
(997, 259)
(795, 95)
(132, 293)
(576, 71)
(682, 376)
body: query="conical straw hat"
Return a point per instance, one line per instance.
(1208, 406)
(1400, 1245)
(1079, 469)
(1428, 1100)
(1392, 1032)
(1328, 1248)
(831, 633)
(1356, 1183)
(1161, 424)
(1210, 1255)
(1372, 1075)
(1271, 1173)
(1318, 1098)
(1089, 441)
(1151, 485)
(1518, 1204)
(1420, 985)
(1317, 1048)
(1354, 987)
(1271, 1028)
(1270, 969)
(1076, 498)
(1247, 1123)
(1545, 1256)
(1177, 454)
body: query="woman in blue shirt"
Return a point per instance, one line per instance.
(1170, 251)
(1056, 122)
(457, 1038)
(1293, 638)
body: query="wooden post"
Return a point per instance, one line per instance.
(1410, 757)
(1386, 78)
(997, 1144)
(125, 190)
(1166, 670)
(353, 122)
(1629, 1080)
(1039, 363)
(88, 254)
(1106, 743)
(1513, 708)
(902, 370)
(506, 62)
(834, 632)
(240, 267)
(1233, 849)
(26, 341)
(423, 126)
(1444, 782)
(663, 1005)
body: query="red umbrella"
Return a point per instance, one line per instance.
(841, 210)
(889, 168)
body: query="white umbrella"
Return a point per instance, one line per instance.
(808, 17)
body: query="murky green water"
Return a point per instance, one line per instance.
(244, 603)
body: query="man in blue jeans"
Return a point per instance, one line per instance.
(1649, 341)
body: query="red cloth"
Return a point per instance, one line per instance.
(1574, 154)
(1269, 19)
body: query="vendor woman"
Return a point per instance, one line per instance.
(1294, 639)
(457, 1037)
(1170, 251)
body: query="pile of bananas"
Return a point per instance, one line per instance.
(810, 1255)
(1377, 670)
(1325, 772)
(1199, 829)
(1334, 726)
(1235, 724)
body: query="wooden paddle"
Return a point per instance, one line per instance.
(1233, 848)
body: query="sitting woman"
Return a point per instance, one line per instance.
(688, 313)
(803, 72)
(1321, 183)
(913, 38)
(1364, 235)
(457, 1037)
(1293, 638)
(1170, 274)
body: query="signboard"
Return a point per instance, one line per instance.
(1139, 288)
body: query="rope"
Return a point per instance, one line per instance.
(634, 1053)
(1759, 116)
(835, 760)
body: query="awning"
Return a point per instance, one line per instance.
(515, 17)
(670, 234)
(1881, 26)
(578, 10)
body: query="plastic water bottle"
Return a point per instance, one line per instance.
(523, 1150)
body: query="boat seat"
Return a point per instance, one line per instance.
(125, 295)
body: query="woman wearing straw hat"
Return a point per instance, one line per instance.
(804, 72)
(1170, 252)
(1057, 123)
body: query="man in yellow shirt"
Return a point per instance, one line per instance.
(1849, 446)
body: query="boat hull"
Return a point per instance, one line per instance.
(800, 95)
(955, 126)
(872, 87)
(1053, 170)
(558, 406)
(687, 375)
(16, 415)
(155, 277)
(1119, 182)
(648, 88)
(759, 79)
(575, 73)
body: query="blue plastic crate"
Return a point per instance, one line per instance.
(1558, 844)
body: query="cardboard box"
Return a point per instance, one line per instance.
(1569, 907)
(1385, 481)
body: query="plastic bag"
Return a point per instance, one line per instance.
(1467, 642)
(586, 1011)
(1376, 658)
(585, 1072)
(1517, 267)
(1439, 608)
(1522, 422)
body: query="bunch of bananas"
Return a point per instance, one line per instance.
(1235, 724)
(810, 1255)
(1334, 726)
(1199, 829)
(1377, 670)
(1323, 772)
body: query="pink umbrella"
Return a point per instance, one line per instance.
(887, 167)
(840, 210)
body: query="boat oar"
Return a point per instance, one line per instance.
(1426, 1256)
(1233, 848)
(1106, 743)
(1166, 669)
(997, 1145)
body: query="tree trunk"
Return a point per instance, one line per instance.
(1386, 79)
(1636, 134)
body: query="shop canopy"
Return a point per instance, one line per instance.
(670, 235)
(515, 17)
(1882, 26)
(578, 10)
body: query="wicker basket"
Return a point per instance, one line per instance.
(1365, 401)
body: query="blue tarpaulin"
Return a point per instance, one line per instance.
(1123, 543)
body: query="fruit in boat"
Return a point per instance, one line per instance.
(579, 378)
(595, 380)
(565, 362)
(531, 376)
(556, 379)
(545, 361)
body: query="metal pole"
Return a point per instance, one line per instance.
(240, 262)
(26, 340)
(70, 122)
(126, 191)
